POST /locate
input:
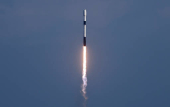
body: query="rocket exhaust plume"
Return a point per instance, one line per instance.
(84, 77)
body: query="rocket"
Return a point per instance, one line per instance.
(84, 36)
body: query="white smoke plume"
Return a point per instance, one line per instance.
(84, 76)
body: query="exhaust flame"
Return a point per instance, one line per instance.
(84, 77)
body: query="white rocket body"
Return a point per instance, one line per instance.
(84, 37)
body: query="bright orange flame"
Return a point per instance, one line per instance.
(84, 77)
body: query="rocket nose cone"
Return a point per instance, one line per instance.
(84, 12)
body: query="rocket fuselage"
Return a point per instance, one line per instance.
(84, 37)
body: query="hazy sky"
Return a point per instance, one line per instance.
(128, 48)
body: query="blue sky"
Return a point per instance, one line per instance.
(128, 53)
